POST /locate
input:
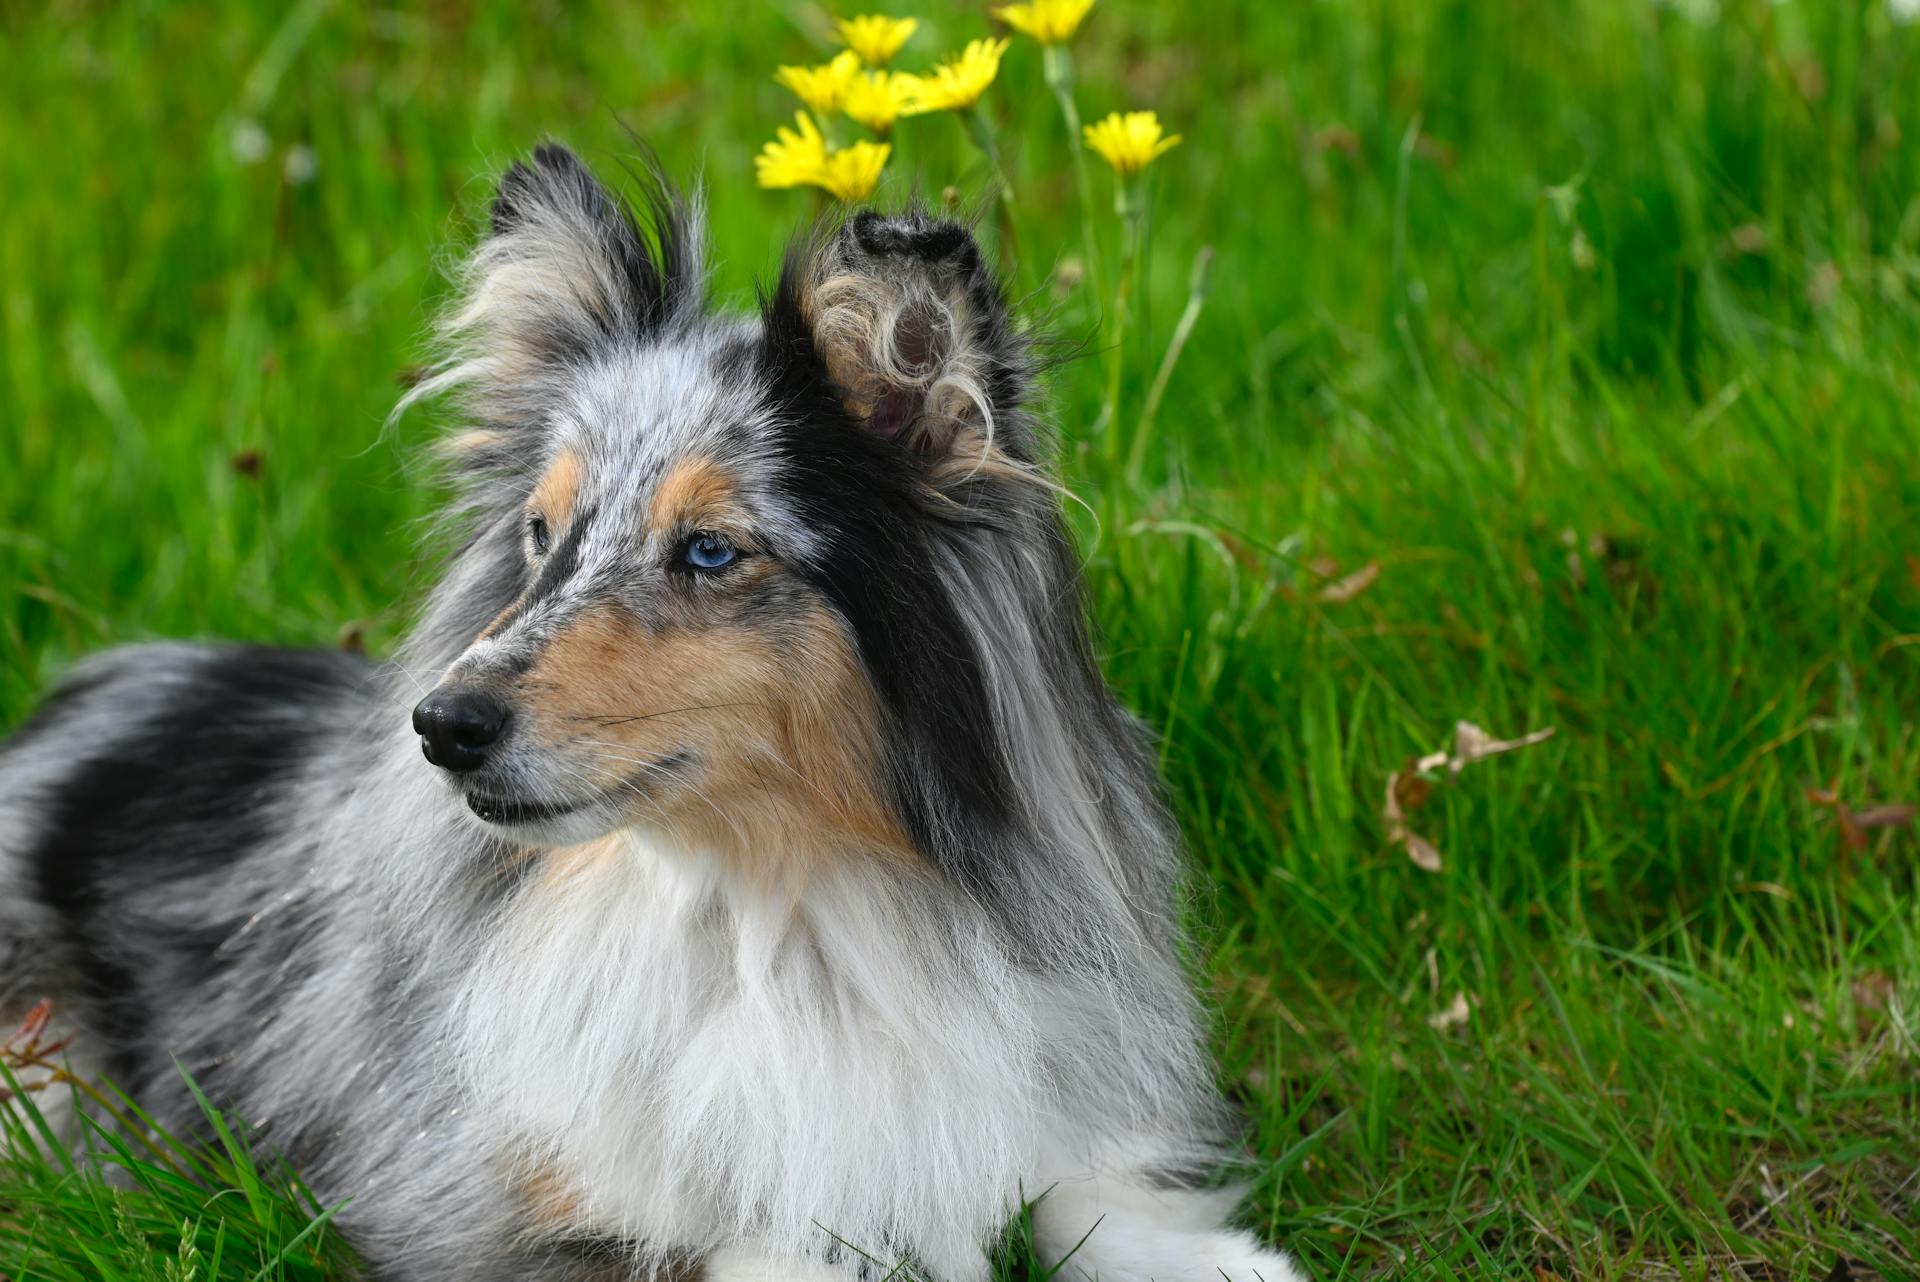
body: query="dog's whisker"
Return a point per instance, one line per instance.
(620, 718)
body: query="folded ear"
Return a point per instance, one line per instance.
(569, 270)
(909, 329)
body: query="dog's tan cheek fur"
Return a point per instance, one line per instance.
(781, 724)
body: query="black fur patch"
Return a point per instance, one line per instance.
(926, 239)
(857, 490)
(552, 571)
(174, 796)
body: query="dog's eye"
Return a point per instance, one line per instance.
(709, 552)
(538, 534)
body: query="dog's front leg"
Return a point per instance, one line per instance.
(1122, 1218)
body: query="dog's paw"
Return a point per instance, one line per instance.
(1160, 1256)
(755, 1264)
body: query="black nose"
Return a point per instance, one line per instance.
(456, 728)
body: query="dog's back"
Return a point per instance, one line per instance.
(147, 789)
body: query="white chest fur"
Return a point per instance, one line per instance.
(699, 1064)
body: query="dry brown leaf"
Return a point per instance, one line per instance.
(1406, 790)
(1471, 744)
(1873, 990)
(1349, 586)
(1458, 1012)
(1409, 788)
(1337, 138)
(34, 1025)
(1851, 825)
(1424, 854)
(1890, 815)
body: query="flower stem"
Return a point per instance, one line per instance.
(980, 129)
(1057, 62)
(1130, 210)
(1182, 331)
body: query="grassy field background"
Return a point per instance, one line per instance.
(1559, 368)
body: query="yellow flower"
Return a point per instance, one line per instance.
(876, 98)
(793, 159)
(803, 160)
(853, 172)
(822, 88)
(1051, 22)
(959, 83)
(876, 37)
(1131, 142)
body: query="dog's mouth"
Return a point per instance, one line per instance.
(518, 810)
(500, 810)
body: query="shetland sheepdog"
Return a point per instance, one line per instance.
(783, 895)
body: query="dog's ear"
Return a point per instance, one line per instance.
(568, 270)
(570, 263)
(904, 323)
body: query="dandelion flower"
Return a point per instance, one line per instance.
(876, 37)
(793, 159)
(803, 159)
(1131, 142)
(1051, 22)
(853, 172)
(958, 84)
(876, 98)
(822, 88)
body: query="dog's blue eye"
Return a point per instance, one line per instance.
(708, 552)
(538, 535)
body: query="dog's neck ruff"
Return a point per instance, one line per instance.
(695, 1057)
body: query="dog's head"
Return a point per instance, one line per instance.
(738, 578)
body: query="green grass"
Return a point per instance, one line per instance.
(1594, 327)
(124, 1203)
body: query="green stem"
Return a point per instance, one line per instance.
(980, 129)
(1129, 209)
(1057, 61)
(1182, 331)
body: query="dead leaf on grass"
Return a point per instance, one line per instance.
(1471, 744)
(1891, 815)
(1407, 790)
(34, 1025)
(1425, 855)
(1873, 990)
(1348, 586)
(1410, 787)
(1852, 825)
(1458, 1012)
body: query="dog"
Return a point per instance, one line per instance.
(783, 896)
